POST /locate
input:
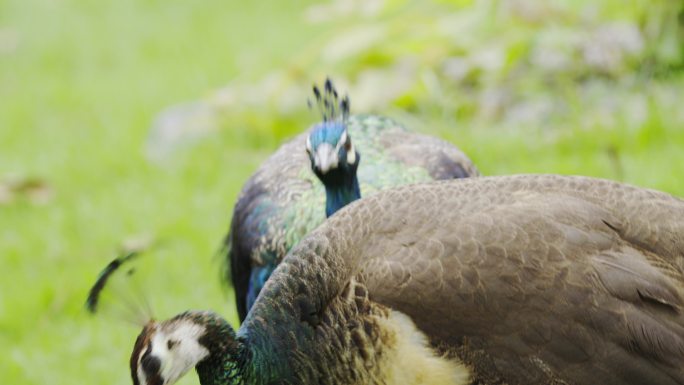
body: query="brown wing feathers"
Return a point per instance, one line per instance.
(540, 278)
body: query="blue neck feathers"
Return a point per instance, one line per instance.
(340, 195)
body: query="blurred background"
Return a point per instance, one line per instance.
(133, 124)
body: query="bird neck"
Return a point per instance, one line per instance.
(341, 189)
(228, 358)
(340, 196)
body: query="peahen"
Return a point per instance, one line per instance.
(531, 279)
(283, 200)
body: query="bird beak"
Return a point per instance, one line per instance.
(325, 158)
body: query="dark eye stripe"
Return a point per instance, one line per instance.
(151, 366)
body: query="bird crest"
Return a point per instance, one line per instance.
(329, 104)
(335, 113)
(118, 292)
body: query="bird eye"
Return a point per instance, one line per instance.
(171, 343)
(150, 364)
(345, 140)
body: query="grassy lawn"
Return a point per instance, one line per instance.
(81, 82)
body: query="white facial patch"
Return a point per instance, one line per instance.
(351, 155)
(325, 158)
(343, 139)
(308, 144)
(185, 353)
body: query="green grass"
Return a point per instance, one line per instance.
(80, 83)
(79, 93)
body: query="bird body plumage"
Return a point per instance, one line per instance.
(530, 279)
(284, 200)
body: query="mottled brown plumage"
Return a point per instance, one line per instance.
(536, 279)
(528, 279)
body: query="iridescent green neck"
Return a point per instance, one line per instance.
(244, 359)
(228, 358)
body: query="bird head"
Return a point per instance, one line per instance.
(330, 148)
(165, 351)
(329, 144)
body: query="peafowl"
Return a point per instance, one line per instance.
(530, 279)
(283, 200)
